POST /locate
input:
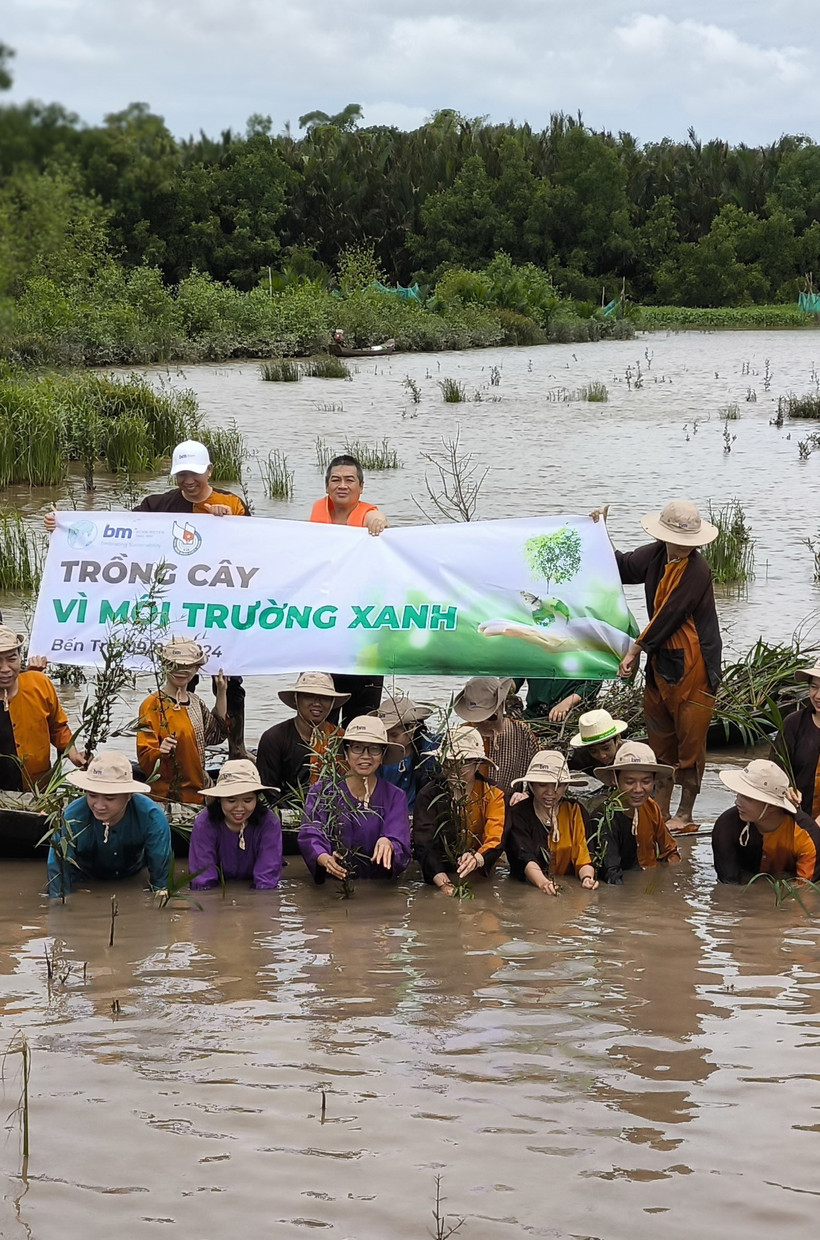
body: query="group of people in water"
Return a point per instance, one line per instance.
(367, 783)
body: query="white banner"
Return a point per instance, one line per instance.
(534, 597)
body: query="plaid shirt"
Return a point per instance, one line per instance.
(512, 753)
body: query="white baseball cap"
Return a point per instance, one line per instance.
(190, 455)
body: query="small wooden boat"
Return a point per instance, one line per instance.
(21, 832)
(374, 350)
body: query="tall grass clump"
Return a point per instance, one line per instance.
(128, 446)
(731, 556)
(729, 413)
(324, 453)
(799, 406)
(327, 367)
(595, 392)
(373, 456)
(22, 551)
(277, 479)
(280, 370)
(227, 451)
(452, 391)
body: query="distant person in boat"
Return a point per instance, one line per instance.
(236, 837)
(798, 745)
(508, 743)
(548, 835)
(405, 723)
(357, 826)
(290, 753)
(175, 725)
(631, 830)
(765, 832)
(31, 720)
(111, 832)
(683, 647)
(596, 742)
(343, 505)
(460, 817)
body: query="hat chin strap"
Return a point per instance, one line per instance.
(744, 835)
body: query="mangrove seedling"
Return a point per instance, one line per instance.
(19, 1045)
(414, 390)
(115, 912)
(455, 495)
(787, 888)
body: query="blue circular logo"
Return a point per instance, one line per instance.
(81, 534)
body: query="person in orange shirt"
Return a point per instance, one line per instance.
(631, 830)
(343, 505)
(460, 818)
(175, 726)
(683, 647)
(31, 721)
(548, 835)
(765, 831)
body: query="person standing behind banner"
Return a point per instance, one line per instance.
(31, 721)
(343, 505)
(508, 743)
(683, 647)
(798, 745)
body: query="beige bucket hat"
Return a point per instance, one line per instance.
(183, 652)
(596, 726)
(482, 697)
(370, 730)
(109, 773)
(400, 710)
(461, 744)
(805, 673)
(316, 684)
(9, 640)
(761, 780)
(680, 522)
(548, 766)
(633, 756)
(236, 777)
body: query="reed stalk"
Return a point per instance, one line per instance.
(19, 1045)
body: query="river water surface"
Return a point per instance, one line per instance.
(635, 1062)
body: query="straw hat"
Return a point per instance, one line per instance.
(109, 773)
(547, 767)
(402, 711)
(461, 744)
(370, 730)
(190, 455)
(183, 652)
(805, 673)
(680, 523)
(482, 697)
(236, 777)
(595, 727)
(761, 780)
(633, 756)
(9, 640)
(313, 684)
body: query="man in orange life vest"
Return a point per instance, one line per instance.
(343, 505)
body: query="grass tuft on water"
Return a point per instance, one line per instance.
(228, 451)
(22, 551)
(452, 391)
(280, 371)
(373, 456)
(595, 392)
(277, 479)
(328, 367)
(731, 556)
(799, 406)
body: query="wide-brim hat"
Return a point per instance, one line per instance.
(236, 777)
(761, 780)
(548, 766)
(461, 744)
(370, 730)
(595, 727)
(313, 684)
(805, 673)
(680, 523)
(9, 640)
(182, 651)
(633, 756)
(109, 773)
(482, 697)
(400, 710)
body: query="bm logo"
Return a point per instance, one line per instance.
(117, 531)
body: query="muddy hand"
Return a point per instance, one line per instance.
(598, 513)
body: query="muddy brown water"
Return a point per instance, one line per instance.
(635, 1062)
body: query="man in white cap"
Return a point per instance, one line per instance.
(764, 832)
(683, 647)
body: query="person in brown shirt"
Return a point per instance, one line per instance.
(798, 745)
(765, 832)
(289, 753)
(631, 833)
(508, 743)
(682, 644)
(31, 721)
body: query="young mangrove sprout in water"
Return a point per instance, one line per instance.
(443, 1228)
(115, 912)
(731, 555)
(414, 390)
(19, 1045)
(813, 545)
(787, 888)
(455, 495)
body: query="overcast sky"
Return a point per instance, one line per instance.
(743, 70)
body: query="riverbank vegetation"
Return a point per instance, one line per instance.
(121, 244)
